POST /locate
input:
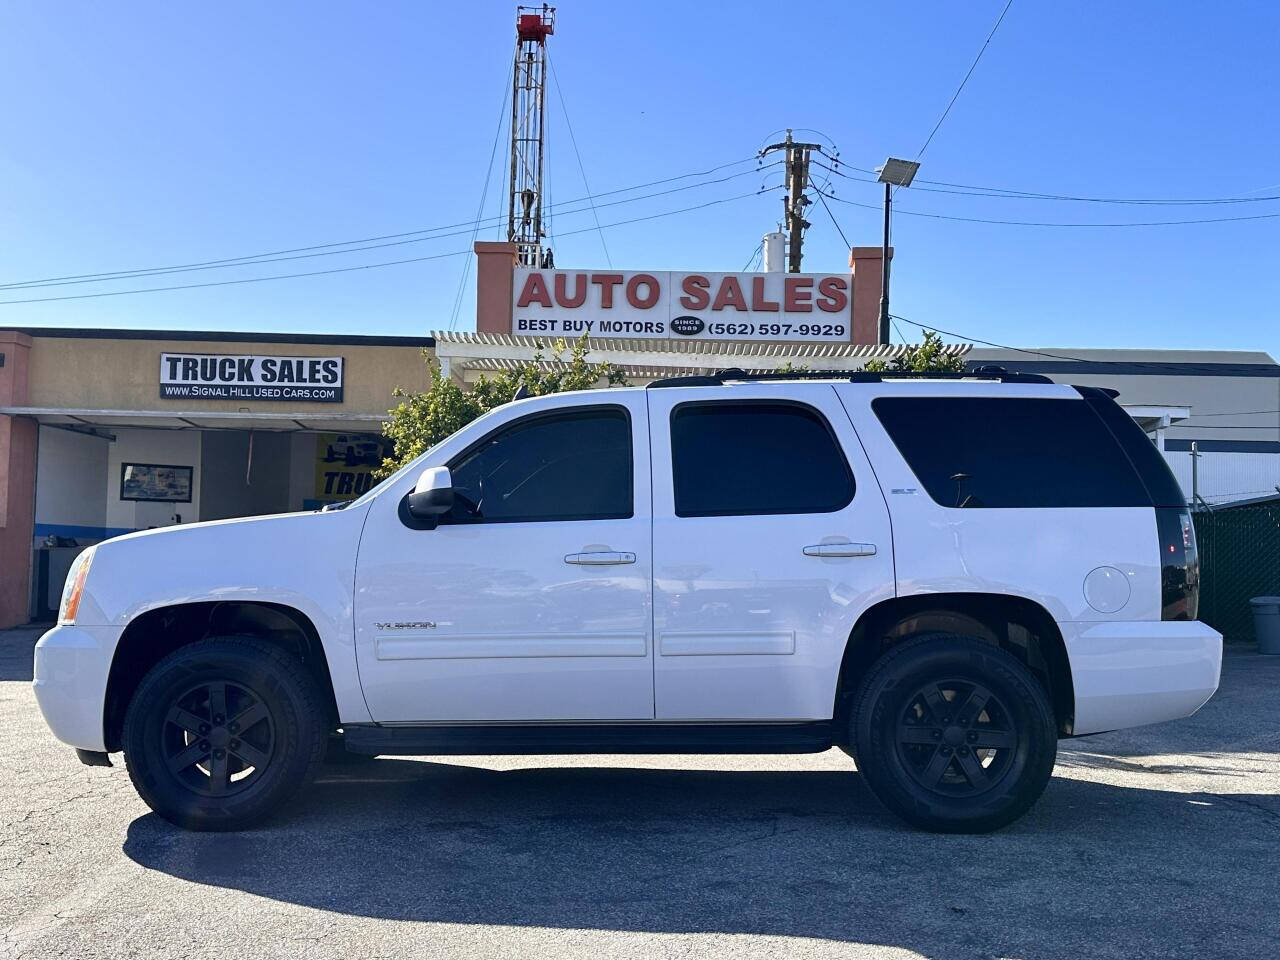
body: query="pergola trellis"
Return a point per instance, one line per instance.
(466, 355)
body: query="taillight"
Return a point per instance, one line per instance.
(1179, 564)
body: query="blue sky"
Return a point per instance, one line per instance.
(151, 134)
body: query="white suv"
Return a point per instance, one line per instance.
(941, 576)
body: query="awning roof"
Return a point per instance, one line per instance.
(286, 421)
(1155, 416)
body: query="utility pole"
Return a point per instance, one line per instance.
(528, 136)
(1195, 475)
(796, 163)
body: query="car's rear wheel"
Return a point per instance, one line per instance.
(221, 732)
(953, 734)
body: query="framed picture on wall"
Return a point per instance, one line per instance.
(162, 482)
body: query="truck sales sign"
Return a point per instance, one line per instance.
(206, 376)
(706, 306)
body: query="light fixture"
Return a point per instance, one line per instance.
(897, 172)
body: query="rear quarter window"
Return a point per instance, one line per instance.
(998, 452)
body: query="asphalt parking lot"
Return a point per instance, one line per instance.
(1160, 842)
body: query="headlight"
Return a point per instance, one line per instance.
(74, 587)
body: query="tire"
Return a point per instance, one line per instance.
(963, 773)
(222, 732)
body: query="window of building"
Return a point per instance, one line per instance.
(568, 466)
(1011, 452)
(735, 458)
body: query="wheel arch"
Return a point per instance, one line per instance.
(1018, 625)
(154, 634)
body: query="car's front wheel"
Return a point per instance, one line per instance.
(953, 734)
(221, 732)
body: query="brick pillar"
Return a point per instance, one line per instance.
(495, 273)
(17, 481)
(865, 263)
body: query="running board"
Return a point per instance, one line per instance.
(498, 739)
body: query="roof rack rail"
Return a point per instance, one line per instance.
(733, 374)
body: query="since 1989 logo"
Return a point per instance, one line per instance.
(688, 326)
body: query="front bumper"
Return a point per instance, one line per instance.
(1129, 673)
(71, 669)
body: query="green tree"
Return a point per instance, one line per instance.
(929, 356)
(421, 420)
(792, 367)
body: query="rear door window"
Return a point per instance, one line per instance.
(993, 452)
(735, 458)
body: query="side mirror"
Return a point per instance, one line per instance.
(430, 498)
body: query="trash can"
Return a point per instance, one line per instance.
(1266, 623)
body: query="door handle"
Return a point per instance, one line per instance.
(840, 550)
(600, 558)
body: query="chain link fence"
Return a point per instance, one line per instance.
(1239, 559)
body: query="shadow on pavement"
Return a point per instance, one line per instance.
(1094, 868)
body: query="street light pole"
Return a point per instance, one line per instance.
(894, 173)
(884, 267)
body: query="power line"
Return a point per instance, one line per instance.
(968, 190)
(959, 89)
(1002, 193)
(1165, 368)
(1235, 413)
(258, 257)
(366, 266)
(264, 258)
(1058, 223)
(985, 343)
(555, 81)
(823, 197)
(841, 173)
(227, 283)
(668, 213)
(484, 195)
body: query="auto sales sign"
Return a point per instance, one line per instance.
(707, 306)
(208, 376)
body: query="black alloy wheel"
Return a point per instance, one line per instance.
(953, 734)
(956, 737)
(219, 738)
(223, 731)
